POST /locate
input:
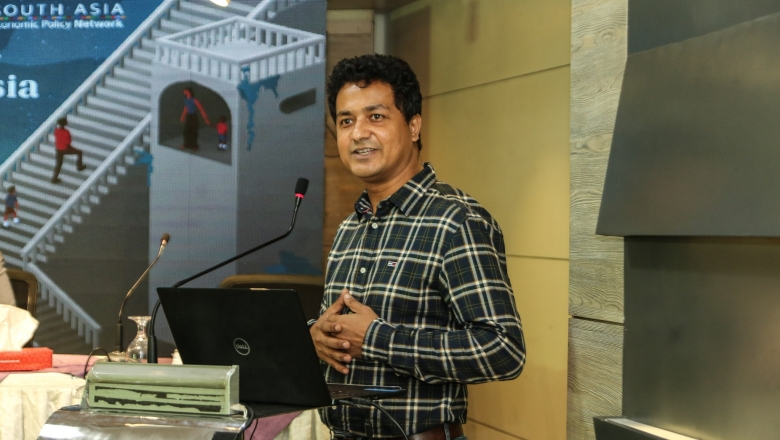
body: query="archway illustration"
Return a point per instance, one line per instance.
(171, 127)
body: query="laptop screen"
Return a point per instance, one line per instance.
(263, 331)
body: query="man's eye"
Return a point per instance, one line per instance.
(376, 117)
(345, 122)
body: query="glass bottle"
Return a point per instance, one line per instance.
(138, 350)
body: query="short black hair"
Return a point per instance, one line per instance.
(62, 122)
(367, 69)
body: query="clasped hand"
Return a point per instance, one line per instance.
(338, 338)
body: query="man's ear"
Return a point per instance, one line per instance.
(415, 124)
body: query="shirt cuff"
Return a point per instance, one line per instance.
(376, 343)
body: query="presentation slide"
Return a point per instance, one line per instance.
(126, 120)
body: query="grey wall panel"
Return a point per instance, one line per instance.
(654, 23)
(701, 354)
(695, 144)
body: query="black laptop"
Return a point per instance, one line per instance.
(264, 332)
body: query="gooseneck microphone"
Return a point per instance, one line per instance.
(300, 190)
(166, 237)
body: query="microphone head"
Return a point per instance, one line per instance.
(166, 237)
(301, 186)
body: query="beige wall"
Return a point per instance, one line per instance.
(495, 78)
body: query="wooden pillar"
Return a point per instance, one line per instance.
(598, 57)
(350, 33)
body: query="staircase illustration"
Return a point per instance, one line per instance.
(109, 115)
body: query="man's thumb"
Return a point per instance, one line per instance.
(351, 302)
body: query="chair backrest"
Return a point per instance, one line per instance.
(25, 287)
(310, 288)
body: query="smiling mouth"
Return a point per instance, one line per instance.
(363, 151)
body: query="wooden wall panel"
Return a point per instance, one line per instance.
(598, 56)
(532, 406)
(599, 42)
(506, 144)
(595, 375)
(350, 33)
(475, 42)
(476, 431)
(409, 38)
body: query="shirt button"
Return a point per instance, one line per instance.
(374, 225)
(362, 270)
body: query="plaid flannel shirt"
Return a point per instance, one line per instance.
(431, 264)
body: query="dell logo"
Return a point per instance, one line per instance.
(241, 346)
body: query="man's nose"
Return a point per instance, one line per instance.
(361, 130)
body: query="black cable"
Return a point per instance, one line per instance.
(360, 401)
(367, 426)
(90, 357)
(253, 430)
(250, 418)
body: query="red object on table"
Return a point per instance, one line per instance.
(28, 359)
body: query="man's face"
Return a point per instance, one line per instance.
(375, 142)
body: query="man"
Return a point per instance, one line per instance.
(11, 206)
(190, 118)
(417, 293)
(62, 142)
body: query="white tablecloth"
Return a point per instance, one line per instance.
(307, 426)
(16, 403)
(28, 399)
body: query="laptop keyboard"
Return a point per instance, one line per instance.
(340, 391)
(346, 394)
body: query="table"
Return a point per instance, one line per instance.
(99, 424)
(27, 399)
(304, 426)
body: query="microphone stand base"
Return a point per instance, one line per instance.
(117, 356)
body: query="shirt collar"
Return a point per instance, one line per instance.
(406, 196)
